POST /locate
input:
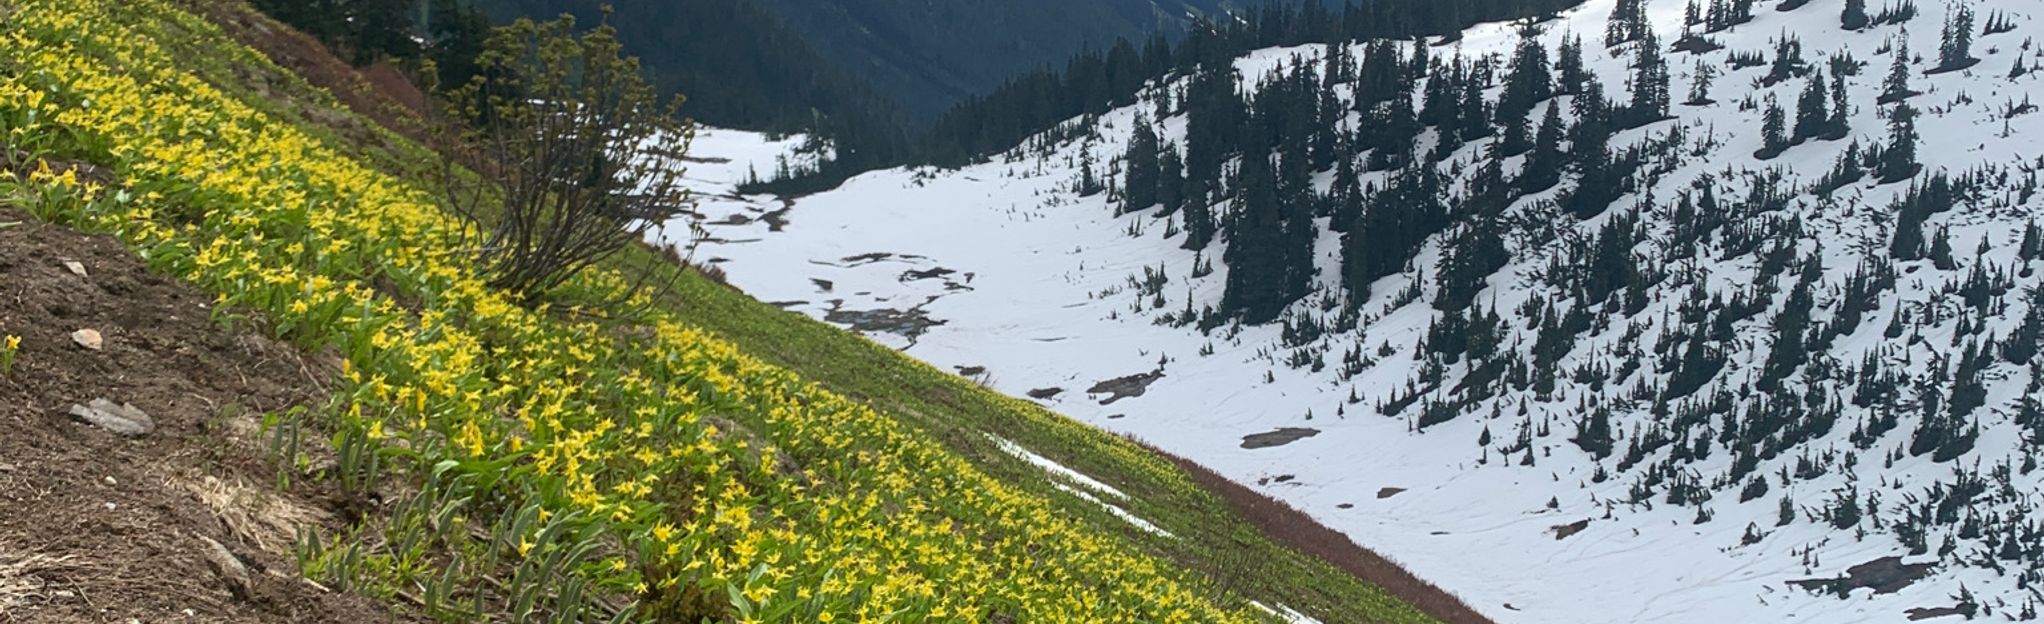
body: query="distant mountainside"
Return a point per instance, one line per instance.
(931, 55)
(737, 62)
(754, 63)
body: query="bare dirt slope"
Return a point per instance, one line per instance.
(96, 526)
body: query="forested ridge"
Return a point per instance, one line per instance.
(1437, 169)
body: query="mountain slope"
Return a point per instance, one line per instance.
(737, 62)
(495, 462)
(933, 55)
(919, 57)
(1698, 369)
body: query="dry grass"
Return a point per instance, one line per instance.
(255, 515)
(23, 575)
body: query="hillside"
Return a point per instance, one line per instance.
(932, 56)
(738, 62)
(921, 57)
(459, 456)
(1535, 316)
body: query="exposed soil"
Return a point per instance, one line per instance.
(1885, 575)
(910, 323)
(923, 274)
(877, 256)
(1277, 437)
(1125, 387)
(1295, 529)
(778, 219)
(1565, 531)
(181, 524)
(1918, 614)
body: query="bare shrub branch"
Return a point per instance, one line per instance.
(580, 155)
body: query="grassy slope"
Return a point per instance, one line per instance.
(948, 408)
(1207, 535)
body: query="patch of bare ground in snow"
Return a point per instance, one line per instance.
(179, 524)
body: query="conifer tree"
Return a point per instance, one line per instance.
(1140, 173)
(1472, 257)
(1170, 179)
(1791, 327)
(1955, 50)
(1300, 231)
(1627, 22)
(1896, 87)
(2024, 342)
(1475, 115)
(1544, 163)
(1773, 132)
(1527, 81)
(1391, 229)
(1593, 433)
(2033, 243)
(1650, 92)
(1700, 82)
(1089, 180)
(1918, 204)
(1517, 137)
(1840, 124)
(1395, 134)
(1898, 161)
(1941, 251)
(1811, 116)
(1598, 181)
(1199, 217)
(1570, 69)
(1345, 195)
(1255, 230)
(1854, 17)
(1718, 17)
(1266, 229)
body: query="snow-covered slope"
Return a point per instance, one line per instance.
(1003, 271)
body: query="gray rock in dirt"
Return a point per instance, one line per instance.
(119, 418)
(88, 338)
(75, 267)
(228, 566)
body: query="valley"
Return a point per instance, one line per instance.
(1029, 273)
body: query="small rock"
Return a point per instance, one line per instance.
(121, 418)
(110, 480)
(7, 467)
(229, 567)
(75, 268)
(88, 338)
